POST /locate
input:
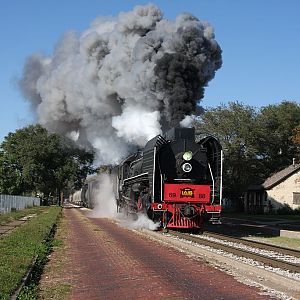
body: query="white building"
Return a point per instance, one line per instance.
(282, 188)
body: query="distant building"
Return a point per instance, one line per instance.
(282, 188)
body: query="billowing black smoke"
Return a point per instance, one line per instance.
(182, 75)
(178, 79)
(123, 79)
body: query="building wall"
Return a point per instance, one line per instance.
(283, 192)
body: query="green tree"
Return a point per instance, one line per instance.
(256, 143)
(10, 179)
(296, 142)
(274, 135)
(34, 161)
(233, 126)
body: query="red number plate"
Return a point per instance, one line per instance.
(187, 193)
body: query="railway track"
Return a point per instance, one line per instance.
(255, 244)
(10, 226)
(275, 257)
(6, 228)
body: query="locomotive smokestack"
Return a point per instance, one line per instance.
(122, 80)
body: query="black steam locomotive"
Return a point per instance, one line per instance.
(175, 179)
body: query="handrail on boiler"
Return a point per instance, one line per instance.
(213, 182)
(221, 178)
(153, 174)
(134, 177)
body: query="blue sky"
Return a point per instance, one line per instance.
(260, 42)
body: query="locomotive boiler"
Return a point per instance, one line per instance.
(176, 180)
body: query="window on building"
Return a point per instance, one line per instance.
(296, 198)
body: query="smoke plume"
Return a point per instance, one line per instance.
(124, 79)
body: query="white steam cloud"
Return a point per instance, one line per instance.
(142, 222)
(122, 80)
(105, 206)
(104, 202)
(187, 122)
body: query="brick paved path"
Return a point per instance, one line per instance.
(109, 262)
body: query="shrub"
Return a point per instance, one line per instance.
(287, 210)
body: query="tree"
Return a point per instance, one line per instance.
(10, 179)
(296, 141)
(233, 126)
(34, 161)
(274, 135)
(256, 143)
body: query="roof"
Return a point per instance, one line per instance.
(280, 176)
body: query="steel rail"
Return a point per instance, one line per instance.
(8, 227)
(239, 252)
(255, 244)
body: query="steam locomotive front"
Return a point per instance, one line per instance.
(187, 180)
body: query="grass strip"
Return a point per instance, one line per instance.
(262, 216)
(19, 248)
(279, 241)
(54, 283)
(16, 215)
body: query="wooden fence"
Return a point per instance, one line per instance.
(9, 203)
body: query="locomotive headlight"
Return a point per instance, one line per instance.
(187, 155)
(187, 167)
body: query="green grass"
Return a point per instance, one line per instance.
(16, 215)
(251, 217)
(53, 284)
(279, 241)
(57, 291)
(20, 247)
